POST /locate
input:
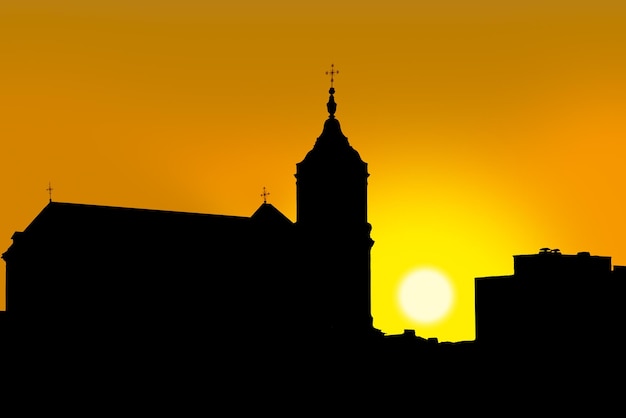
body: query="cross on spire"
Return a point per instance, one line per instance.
(49, 190)
(332, 73)
(264, 195)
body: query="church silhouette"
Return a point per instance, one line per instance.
(100, 286)
(84, 267)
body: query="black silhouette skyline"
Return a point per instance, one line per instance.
(100, 286)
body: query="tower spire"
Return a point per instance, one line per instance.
(334, 240)
(331, 105)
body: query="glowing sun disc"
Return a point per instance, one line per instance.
(425, 295)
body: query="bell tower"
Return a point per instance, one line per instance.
(331, 190)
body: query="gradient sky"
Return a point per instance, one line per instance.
(490, 128)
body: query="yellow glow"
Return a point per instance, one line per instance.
(425, 295)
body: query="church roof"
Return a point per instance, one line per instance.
(75, 213)
(267, 213)
(118, 224)
(332, 145)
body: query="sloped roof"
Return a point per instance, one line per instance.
(267, 213)
(72, 210)
(117, 224)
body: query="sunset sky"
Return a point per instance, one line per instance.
(491, 128)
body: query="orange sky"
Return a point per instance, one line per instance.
(490, 128)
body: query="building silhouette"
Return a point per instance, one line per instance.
(249, 297)
(81, 269)
(551, 301)
(331, 193)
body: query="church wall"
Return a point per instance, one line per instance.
(132, 275)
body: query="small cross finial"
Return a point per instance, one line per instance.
(264, 195)
(49, 190)
(332, 73)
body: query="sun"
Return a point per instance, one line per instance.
(425, 295)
